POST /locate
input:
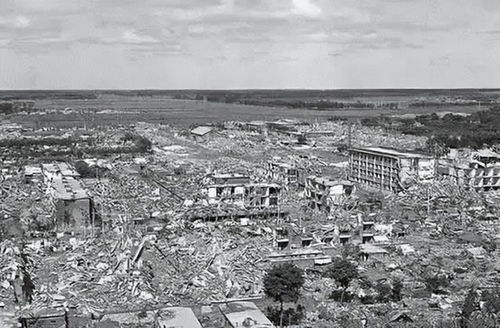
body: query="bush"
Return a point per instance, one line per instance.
(435, 283)
(291, 316)
(84, 170)
(384, 293)
(339, 295)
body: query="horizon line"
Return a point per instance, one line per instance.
(256, 89)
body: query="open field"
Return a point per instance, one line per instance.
(112, 109)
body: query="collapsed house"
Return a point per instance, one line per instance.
(480, 170)
(388, 169)
(324, 194)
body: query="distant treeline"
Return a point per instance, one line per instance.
(423, 104)
(9, 107)
(454, 131)
(321, 104)
(47, 94)
(290, 94)
(266, 95)
(334, 99)
(72, 146)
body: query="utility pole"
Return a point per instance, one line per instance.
(349, 135)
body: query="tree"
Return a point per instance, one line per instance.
(491, 301)
(384, 292)
(434, 283)
(470, 305)
(291, 316)
(397, 287)
(84, 170)
(343, 271)
(283, 283)
(302, 139)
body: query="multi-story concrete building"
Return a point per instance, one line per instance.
(236, 189)
(324, 193)
(262, 194)
(479, 170)
(72, 201)
(227, 188)
(282, 173)
(388, 169)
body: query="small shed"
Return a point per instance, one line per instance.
(201, 132)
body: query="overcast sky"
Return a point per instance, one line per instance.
(208, 44)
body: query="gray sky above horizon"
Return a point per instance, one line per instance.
(219, 44)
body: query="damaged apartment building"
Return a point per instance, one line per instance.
(388, 169)
(479, 170)
(325, 194)
(283, 173)
(237, 189)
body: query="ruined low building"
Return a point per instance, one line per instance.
(324, 194)
(32, 173)
(228, 188)
(167, 317)
(388, 169)
(228, 178)
(287, 237)
(303, 258)
(358, 229)
(282, 173)
(262, 194)
(236, 189)
(73, 203)
(45, 318)
(244, 314)
(201, 132)
(372, 252)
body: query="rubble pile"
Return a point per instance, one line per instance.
(15, 268)
(26, 203)
(195, 264)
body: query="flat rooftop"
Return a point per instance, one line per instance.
(327, 181)
(64, 168)
(283, 165)
(389, 152)
(201, 130)
(245, 314)
(229, 175)
(68, 188)
(171, 317)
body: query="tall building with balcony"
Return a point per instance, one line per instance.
(388, 169)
